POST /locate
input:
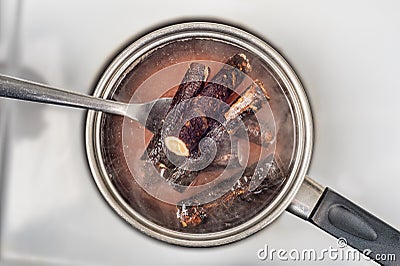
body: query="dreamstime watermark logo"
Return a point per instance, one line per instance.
(340, 253)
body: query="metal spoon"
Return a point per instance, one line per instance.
(148, 114)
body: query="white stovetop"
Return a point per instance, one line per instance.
(346, 53)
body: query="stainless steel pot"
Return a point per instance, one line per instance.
(300, 195)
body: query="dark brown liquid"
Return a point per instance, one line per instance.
(123, 139)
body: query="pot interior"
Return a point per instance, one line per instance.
(152, 203)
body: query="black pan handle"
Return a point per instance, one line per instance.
(349, 222)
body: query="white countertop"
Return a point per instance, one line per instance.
(346, 53)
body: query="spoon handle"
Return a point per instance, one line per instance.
(30, 91)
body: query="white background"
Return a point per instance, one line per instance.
(346, 54)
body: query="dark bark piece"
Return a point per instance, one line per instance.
(253, 129)
(192, 83)
(251, 99)
(180, 178)
(192, 132)
(227, 78)
(220, 88)
(269, 177)
(245, 112)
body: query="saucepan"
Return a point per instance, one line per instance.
(187, 193)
